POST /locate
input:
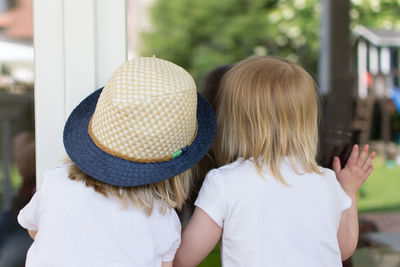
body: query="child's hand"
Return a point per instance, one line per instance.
(356, 171)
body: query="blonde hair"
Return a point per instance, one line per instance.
(171, 192)
(268, 109)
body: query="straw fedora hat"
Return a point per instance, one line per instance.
(147, 124)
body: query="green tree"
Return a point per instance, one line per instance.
(382, 14)
(202, 34)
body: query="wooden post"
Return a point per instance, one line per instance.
(336, 134)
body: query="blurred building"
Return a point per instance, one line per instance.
(16, 34)
(17, 21)
(378, 54)
(16, 83)
(378, 72)
(16, 46)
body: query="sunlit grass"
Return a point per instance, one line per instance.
(213, 259)
(381, 192)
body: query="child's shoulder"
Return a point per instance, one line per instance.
(60, 171)
(227, 169)
(329, 175)
(327, 172)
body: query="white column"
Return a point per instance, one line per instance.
(362, 69)
(78, 44)
(111, 38)
(324, 62)
(79, 51)
(373, 60)
(385, 60)
(49, 82)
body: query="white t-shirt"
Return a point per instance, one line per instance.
(80, 227)
(266, 223)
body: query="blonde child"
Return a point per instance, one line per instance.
(132, 144)
(271, 204)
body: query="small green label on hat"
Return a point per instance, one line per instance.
(177, 154)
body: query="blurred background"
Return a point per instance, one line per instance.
(350, 47)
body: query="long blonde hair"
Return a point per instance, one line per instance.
(268, 109)
(172, 192)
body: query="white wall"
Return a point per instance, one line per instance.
(78, 44)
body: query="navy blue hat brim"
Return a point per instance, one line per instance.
(120, 172)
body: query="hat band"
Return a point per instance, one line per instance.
(139, 160)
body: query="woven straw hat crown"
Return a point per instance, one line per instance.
(146, 112)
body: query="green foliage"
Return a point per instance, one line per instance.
(16, 180)
(200, 35)
(383, 14)
(5, 70)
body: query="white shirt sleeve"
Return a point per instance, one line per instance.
(344, 199)
(211, 198)
(28, 216)
(176, 239)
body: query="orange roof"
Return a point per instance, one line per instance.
(7, 18)
(18, 22)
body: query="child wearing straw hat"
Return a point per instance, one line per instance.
(132, 145)
(270, 203)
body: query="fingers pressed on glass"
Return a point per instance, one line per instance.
(336, 165)
(363, 155)
(353, 156)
